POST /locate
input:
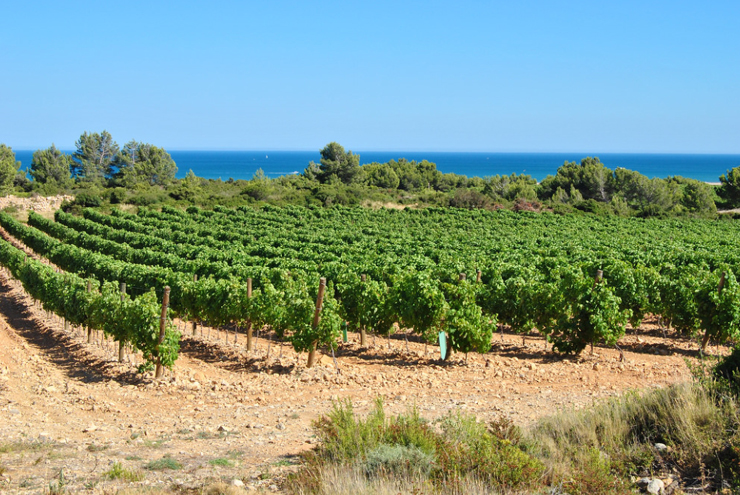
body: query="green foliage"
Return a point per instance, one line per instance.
(407, 445)
(728, 369)
(592, 314)
(165, 463)
(143, 163)
(336, 165)
(719, 312)
(51, 166)
(590, 178)
(8, 169)
(188, 189)
(130, 321)
(729, 189)
(398, 460)
(468, 329)
(419, 303)
(300, 305)
(93, 158)
(118, 472)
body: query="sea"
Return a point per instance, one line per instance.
(236, 165)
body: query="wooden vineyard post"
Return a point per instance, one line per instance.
(478, 276)
(462, 277)
(599, 276)
(705, 339)
(89, 330)
(195, 279)
(162, 326)
(363, 330)
(597, 280)
(249, 320)
(316, 321)
(121, 344)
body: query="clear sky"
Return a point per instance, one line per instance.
(530, 76)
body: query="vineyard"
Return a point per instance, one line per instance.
(451, 276)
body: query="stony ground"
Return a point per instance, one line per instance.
(71, 415)
(73, 418)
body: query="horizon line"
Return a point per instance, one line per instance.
(265, 150)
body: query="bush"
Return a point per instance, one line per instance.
(398, 460)
(728, 370)
(116, 195)
(147, 198)
(409, 447)
(88, 200)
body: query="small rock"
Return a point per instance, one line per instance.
(596, 366)
(660, 447)
(223, 429)
(280, 426)
(655, 486)
(90, 429)
(237, 482)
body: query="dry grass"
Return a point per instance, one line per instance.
(344, 480)
(685, 416)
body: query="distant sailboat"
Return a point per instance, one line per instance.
(265, 156)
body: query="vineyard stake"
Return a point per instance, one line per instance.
(599, 277)
(249, 320)
(363, 330)
(89, 330)
(121, 345)
(162, 326)
(316, 321)
(195, 324)
(721, 286)
(479, 275)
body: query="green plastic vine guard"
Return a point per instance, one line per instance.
(442, 345)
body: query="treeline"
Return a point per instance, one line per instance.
(98, 162)
(100, 171)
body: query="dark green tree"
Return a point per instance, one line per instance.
(590, 177)
(51, 166)
(729, 189)
(335, 164)
(143, 163)
(380, 175)
(93, 159)
(8, 168)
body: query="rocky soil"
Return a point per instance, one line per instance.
(72, 417)
(69, 412)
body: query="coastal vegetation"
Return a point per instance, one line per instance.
(101, 172)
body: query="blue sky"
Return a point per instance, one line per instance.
(530, 76)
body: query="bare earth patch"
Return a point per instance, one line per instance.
(70, 414)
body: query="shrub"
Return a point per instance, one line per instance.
(88, 200)
(117, 471)
(728, 370)
(164, 463)
(398, 460)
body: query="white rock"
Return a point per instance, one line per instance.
(237, 482)
(660, 447)
(655, 486)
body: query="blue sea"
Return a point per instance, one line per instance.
(243, 164)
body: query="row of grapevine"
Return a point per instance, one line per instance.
(418, 288)
(87, 303)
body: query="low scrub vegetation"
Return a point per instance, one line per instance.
(687, 432)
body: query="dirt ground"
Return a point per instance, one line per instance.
(69, 411)
(73, 418)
